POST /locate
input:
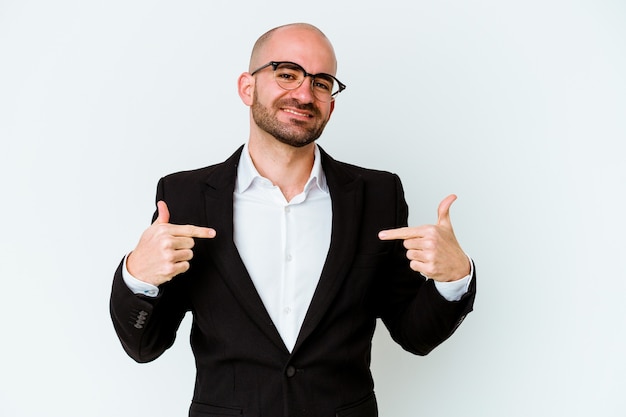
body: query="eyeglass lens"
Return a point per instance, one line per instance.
(290, 76)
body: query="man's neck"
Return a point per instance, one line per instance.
(287, 167)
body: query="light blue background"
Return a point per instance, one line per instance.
(518, 107)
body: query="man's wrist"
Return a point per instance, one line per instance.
(136, 285)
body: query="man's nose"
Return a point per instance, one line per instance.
(305, 91)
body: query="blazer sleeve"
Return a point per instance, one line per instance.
(416, 315)
(147, 326)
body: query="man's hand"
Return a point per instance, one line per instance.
(164, 249)
(433, 249)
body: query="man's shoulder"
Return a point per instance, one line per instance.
(355, 171)
(201, 175)
(193, 175)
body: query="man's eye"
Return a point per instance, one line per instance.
(287, 75)
(323, 85)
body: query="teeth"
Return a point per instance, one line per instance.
(296, 113)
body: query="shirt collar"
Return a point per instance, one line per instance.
(247, 173)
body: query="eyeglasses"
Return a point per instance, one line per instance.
(289, 76)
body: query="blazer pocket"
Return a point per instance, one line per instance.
(365, 407)
(208, 410)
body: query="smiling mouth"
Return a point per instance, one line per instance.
(297, 113)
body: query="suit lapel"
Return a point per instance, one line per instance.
(219, 209)
(346, 190)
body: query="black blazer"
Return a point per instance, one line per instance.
(243, 367)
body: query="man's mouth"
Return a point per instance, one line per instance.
(297, 113)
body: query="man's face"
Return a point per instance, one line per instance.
(294, 117)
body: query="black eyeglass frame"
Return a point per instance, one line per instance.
(275, 64)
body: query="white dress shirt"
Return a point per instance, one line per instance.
(284, 244)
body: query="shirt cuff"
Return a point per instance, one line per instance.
(454, 290)
(138, 286)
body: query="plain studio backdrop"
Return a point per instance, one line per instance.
(518, 107)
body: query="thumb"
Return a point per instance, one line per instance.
(164, 213)
(443, 212)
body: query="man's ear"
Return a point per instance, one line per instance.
(332, 108)
(245, 87)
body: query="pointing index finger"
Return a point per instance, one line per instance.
(192, 231)
(394, 234)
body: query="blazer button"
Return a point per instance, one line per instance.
(291, 371)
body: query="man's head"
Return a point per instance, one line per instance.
(262, 49)
(296, 116)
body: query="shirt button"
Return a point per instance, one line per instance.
(290, 372)
(287, 310)
(289, 257)
(287, 209)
